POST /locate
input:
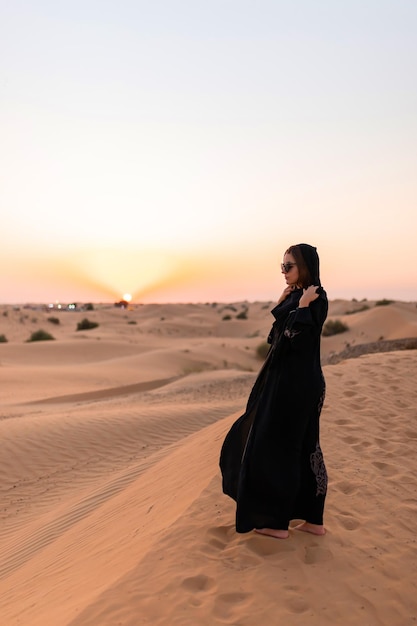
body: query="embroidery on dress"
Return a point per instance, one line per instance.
(291, 333)
(319, 470)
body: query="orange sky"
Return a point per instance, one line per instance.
(248, 272)
(179, 148)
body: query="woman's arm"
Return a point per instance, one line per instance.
(305, 323)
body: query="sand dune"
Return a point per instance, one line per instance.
(111, 505)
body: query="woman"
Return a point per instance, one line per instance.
(271, 460)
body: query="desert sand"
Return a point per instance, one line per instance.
(111, 509)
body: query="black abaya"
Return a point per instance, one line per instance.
(271, 460)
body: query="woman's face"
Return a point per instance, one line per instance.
(290, 270)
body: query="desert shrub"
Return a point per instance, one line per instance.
(3, 339)
(225, 318)
(89, 307)
(86, 324)
(54, 320)
(383, 302)
(243, 315)
(121, 304)
(132, 322)
(334, 327)
(262, 350)
(40, 335)
(5, 313)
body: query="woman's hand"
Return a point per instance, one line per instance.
(285, 293)
(309, 295)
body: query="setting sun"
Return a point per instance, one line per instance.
(127, 297)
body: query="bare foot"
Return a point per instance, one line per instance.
(314, 529)
(273, 532)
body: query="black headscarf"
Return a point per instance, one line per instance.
(311, 258)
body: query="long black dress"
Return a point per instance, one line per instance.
(271, 461)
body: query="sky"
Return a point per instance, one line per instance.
(174, 149)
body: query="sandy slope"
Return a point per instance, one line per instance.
(111, 505)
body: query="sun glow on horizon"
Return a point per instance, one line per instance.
(161, 276)
(184, 177)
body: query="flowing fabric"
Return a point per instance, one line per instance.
(271, 461)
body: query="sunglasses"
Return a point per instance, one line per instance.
(286, 267)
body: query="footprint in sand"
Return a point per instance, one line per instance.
(385, 468)
(267, 546)
(295, 599)
(362, 445)
(297, 604)
(223, 544)
(229, 607)
(356, 406)
(383, 443)
(349, 393)
(317, 554)
(219, 539)
(215, 543)
(342, 422)
(221, 532)
(348, 522)
(346, 487)
(351, 439)
(198, 584)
